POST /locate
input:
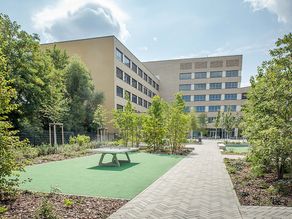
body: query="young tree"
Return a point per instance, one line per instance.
(267, 112)
(154, 124)
(9, 142)
(100, 118)
(203, 121)
(193, 122)
(228, 121)
(178, 123)
(217, 122)
(124, 121)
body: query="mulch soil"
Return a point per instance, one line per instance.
(258, 191)
(27, 203)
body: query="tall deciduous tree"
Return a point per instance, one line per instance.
(154, 124)
(9, 142)
(217, 122)
(228, 121)
(193, 122)
(268, 110)
(83, 100)
(203, 121)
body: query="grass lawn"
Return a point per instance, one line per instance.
(237, 149)
(83, 176)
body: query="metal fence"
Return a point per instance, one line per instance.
(38, 138)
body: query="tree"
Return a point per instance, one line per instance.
(228, 121)
(28, 70)
(178, 123)
(83, 100)
(193, 122)
(267, 112)
(154, 124)
(203, 121)
(217, 122)
(124, 121)
(100, 118)
(9, 142)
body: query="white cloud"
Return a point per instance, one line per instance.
(74, 19)
(282, 8)
(144, 48)
(155, 39)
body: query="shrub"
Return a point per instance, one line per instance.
(46, 211)
(46, 149)
(81, 140)
(68, 203)
(3, 209)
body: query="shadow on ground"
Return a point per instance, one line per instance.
(123, 166)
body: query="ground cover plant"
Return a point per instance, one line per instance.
(263, 190)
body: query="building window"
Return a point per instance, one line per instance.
(140, 101)
(211, 119)
(187, 109)
(187, 98)
(244, 96)
(149, 93)
(120, 107)
(149, 104)
(120, 92)
(215, 85)
(140, 87)
(185, 76)
(127, 95)
(216, 74)
(199, 97)
(134, 98)
(150, 81)
(140, 72)
(231, 85)
(134, 67)
(145, 103)
(145, 76)
(184, 87)
(200, 108)
(127, 61)
(119, 55)
(127, 78)
(199, 75)
(214, 108)
(201, 86)
(231, 108)
(214, 97)
(119, 73)
(157, 87)
(154, 84)
(145, 90)
(230, 96)
(134, 83)
(232, 73)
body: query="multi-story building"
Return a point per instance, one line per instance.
(208, 84)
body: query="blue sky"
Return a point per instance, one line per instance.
(156, 29)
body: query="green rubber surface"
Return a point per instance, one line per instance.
(83, 176)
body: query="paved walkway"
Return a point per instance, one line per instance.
(197, 187)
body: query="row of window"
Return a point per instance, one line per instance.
(134, 98)
(203, 86)
(124, 59)
(213, 74)
(217, 108)
(134, 83)
(212, 97)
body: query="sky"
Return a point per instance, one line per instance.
(163, 29)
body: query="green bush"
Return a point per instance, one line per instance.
(46, 149)
(46, 211)
(3, 209)
(81, 140)
(68, 203)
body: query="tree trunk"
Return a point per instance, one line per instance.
(280, 171)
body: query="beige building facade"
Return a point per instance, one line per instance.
(208, 84)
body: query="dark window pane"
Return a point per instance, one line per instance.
(120, 92)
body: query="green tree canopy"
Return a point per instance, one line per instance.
(267, 112)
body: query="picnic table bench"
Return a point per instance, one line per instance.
(114, 152)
